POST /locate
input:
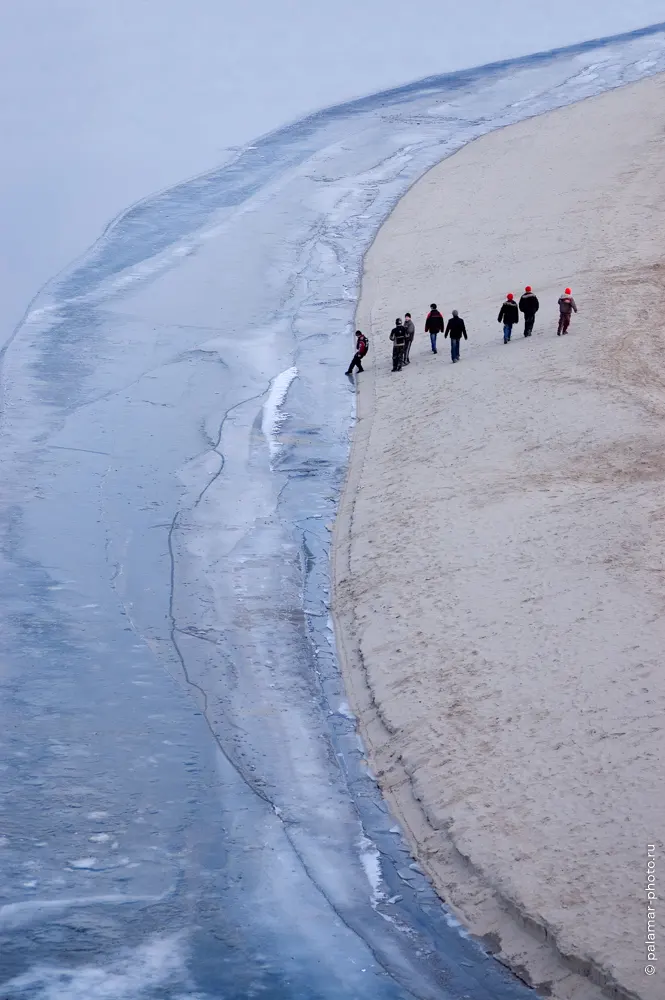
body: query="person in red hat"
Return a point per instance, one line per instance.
(509, 315)
(566, 309)
(529, 305)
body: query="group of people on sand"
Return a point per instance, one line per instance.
(403, 333)
(509, 314)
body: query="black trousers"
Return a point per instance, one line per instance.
(356, 363)
(407, 348)
(528, 325)
(398, 357)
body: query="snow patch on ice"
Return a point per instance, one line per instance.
(454, 923)
(371, 862)
(272, 409)
(141, 972)
(345, 710)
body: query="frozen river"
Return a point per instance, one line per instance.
(186, 808)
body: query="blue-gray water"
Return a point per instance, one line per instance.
(186, 809)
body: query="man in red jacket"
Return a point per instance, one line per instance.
(362, 346)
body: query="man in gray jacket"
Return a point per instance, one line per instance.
(566, 309)
(410, 334)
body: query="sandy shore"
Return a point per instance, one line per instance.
(499, 559)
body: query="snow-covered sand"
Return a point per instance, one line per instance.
(500, 548)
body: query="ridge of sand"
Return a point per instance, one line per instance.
(499, 556)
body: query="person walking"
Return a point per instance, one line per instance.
(410, 334)
(529, 305)
(456, 329)
(566, 309)
(509, 315)
(398, 337)
(434, 325)
(362, 347)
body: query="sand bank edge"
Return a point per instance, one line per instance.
(518, 939)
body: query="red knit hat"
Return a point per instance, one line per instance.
(509, 296)
(528, 288)
(568, 292)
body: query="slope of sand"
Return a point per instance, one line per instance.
(499, 560)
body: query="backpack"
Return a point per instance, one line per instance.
(363, 346)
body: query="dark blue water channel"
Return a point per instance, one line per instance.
(186, 811)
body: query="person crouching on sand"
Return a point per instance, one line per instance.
(362, 347)
(456, 329)
(398, 337)
(529, 305)
(434, 325)
(410, 334)
(509, 315)
(566, 309)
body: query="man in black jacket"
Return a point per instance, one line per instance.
(529, 305)
(457, 330)
(509, 315)
(398, 337)
(434, 325)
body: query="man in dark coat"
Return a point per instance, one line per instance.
(509, 315)
(362, 346)
(529, 305)
(456, 330)
(398, 337)
(434, 325)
